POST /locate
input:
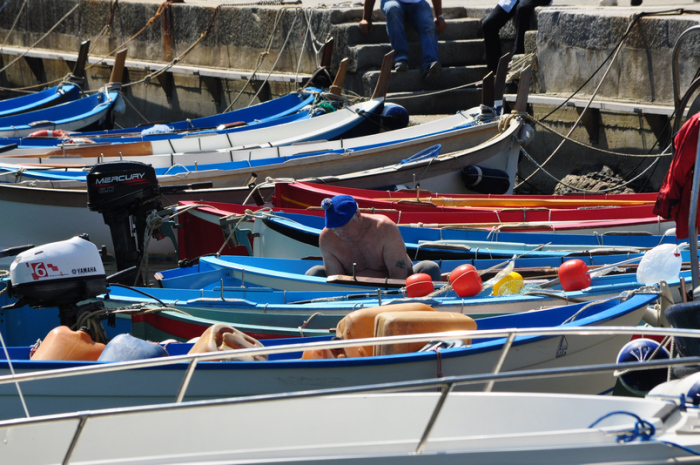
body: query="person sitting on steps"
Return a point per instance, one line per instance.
(419, 14)
(522, 11)
(364, 244)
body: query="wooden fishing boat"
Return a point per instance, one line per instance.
(286, 373)
(183, 314)
(233, 168)
(453, 133)
(92, 111)
(263, 112)
(306, 195)
(337, 124)
(289, 274)
(290, 235)
(203, 228)
(67, 91)
(62, 93)
(71, 116)
(326, 126)
(484, 142)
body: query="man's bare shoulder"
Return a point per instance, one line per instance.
(327, 236)
(381, 220)
(383, 223)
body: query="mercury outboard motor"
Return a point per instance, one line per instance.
(59, 274)
(124, 193)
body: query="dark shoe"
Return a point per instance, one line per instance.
(400, 66)
(635, 2)
(433, 71)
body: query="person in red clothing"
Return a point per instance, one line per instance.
(673, 201)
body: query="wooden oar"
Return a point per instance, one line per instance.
(499, 84)
(118, 68)
(339, 80)
(487, 91)
(79, 67)
(523, 91)
(382, 86)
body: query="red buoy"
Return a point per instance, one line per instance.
(419, 285)
(465, 281)
(573, 275)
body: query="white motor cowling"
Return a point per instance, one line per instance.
(57, 274)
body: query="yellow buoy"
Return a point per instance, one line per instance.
(510, 284)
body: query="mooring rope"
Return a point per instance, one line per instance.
(49, 83)
(19, 14)
(179, 58)
(587, 191)
(590, 101)
(42, 37)
(265, 53)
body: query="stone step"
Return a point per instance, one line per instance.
(457, 29)
(412, 80)
(436, 102)
(351, 15)
(452, 53)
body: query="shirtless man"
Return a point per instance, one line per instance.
(372, 243)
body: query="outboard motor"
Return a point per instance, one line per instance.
(59, 274)
(124, 193)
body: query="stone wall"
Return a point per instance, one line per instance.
(237, 36)
(279, 39)
(573, 43)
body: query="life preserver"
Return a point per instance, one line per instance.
(47, 133)
(80, 140)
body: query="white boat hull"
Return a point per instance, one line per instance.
(474, 428)
(221, 379)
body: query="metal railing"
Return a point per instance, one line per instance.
(447, 384)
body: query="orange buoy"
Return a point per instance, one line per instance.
(573, 275)
(465, 281)
(419, 285)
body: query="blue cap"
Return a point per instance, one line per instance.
(339, 210)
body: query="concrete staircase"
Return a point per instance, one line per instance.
(461, 50)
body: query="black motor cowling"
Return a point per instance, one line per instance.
(120, 185)
(124, 193)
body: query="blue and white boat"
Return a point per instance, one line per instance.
(287, 372)
(91, 111)
(62, 93)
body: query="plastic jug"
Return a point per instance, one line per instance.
(662, 263)
(62, 343)
(222, 337)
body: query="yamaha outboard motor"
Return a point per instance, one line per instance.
(59, 274)
(124, 193)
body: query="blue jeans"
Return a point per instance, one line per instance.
(420, 17)
(522, 13)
